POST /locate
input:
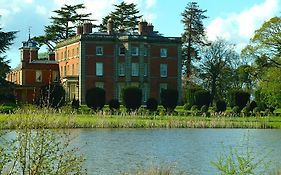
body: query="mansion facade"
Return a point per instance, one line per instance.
(113, 60)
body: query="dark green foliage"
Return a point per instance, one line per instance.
(252, 105)
(169, 99)
(152, 104)
(194, 32)
(204, 109)
(75, 104)
(239, 98)
(220, 106)
(62, 25)
(189, 93)
(95, 98)
(256, 110)
(52, 95)
(202, 97)
(246, 110)
(6, 39)
(7, 98)
(132, 97)
(114, 104)
(187, 106)
(125, 16)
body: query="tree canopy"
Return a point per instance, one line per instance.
(266, 43)
(125, 16)
(216, 68)
(62, 25)
(6, 40)
(193, 35)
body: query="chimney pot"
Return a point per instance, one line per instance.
(87, 28)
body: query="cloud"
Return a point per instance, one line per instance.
(150, 3)
(41, 10)
(240, 27)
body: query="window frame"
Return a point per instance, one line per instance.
(121, 49)
(99, 48)
(163, 52)
(99, 69)
(135, 70)
(135, 51)
(121, 66)
(38, 74)
(163, 73)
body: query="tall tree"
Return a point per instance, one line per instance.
(266, 43)
(6, 40)
(194, 34)
(62, 25)
(216, 68)
(125, 16)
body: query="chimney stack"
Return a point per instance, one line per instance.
(110, 26)
(87, 28)
(150, 29)
(79, 30)
(142, 28)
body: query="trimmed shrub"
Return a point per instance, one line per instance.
(220, 106)
(239, 98)
(75, 104)
(246, 110)
(152, 104)
(169, 99)
(52, 95)
(7, 98)
(114, 104)
(95, 98)
(202, 98)
(252, 105)
(204, 109)
(132, 97)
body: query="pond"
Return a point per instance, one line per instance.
(116, 151)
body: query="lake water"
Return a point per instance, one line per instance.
(116, 151)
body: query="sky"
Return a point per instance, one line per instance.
(232, 20)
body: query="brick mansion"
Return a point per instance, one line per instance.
(111, 60)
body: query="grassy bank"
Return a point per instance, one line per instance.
(124, 120)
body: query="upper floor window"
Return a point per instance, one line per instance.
(68, 53)
(135, 51)
(162, 86)
(99, 69)
(99, 50)
(163, 52)
(77, 51)
(72, 52)
(145, 51)
(163, 70)
(55, 76)
(72, 69)
(121, 69)
(145, 69)
(38, 76)
(121, 50)
(65, 54)
(135, 69)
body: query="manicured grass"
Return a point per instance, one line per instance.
(101, 120)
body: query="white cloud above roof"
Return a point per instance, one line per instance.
(240, 27)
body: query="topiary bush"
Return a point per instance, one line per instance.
(52, 95)
(169, 99)
(239, 98)
(252, 105)
(220, 106)
(95, 98)
(194, 108)
(7, 98)
(132, 97)
(75, 104)
(187, 106)
(202, 98)
(152, 104)
(114, 104)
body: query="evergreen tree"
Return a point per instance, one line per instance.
(6, 39)
(193, 35)
(62, 25)
(125, 16)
